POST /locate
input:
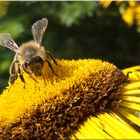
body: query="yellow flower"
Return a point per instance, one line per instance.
(105, 3)
(130, 14)
(88, 99)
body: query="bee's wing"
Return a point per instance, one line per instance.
(38, 30)
(7, 41)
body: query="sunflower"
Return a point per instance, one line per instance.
(87, 99)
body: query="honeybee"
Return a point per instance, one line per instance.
(30, 56)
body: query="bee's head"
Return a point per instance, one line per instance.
(34, 65)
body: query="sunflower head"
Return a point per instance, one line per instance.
(55, 106)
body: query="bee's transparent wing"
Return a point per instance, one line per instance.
(7, 41)
(38, 30)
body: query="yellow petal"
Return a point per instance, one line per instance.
(105, 3)
(130, 116)
(130, 105)
(132, 86)
(131, 99)
(128, 16)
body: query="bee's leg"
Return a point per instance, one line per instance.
(14, 71)
(20, 74)
(51, 57)
(33, 78)
(50, 65)
(25, 69)
(28, 72)
(13, 78)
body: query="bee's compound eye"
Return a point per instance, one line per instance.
(38, 59)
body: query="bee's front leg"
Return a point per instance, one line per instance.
(48, 54)
(25, 68)
(50, 66)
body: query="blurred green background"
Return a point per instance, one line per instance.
(76, 30)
